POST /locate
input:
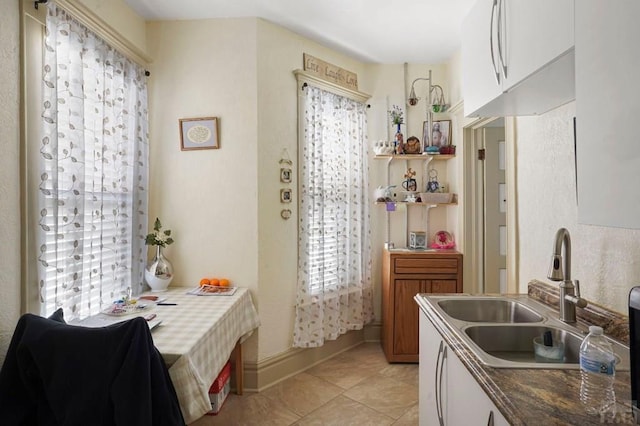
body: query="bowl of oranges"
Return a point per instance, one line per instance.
(216, 285)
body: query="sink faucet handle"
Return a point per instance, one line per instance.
(576, 300)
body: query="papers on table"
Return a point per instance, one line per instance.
(101, 320)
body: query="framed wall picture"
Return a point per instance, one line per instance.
(285, 195)
(285, 175)
(199, 133)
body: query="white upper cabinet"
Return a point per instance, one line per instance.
(517, 57)
(607, 107)
(481, 74)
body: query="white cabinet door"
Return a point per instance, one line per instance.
(532, 46)
(535, 34)
(467, 404)
(481, 79)
(431, 346)
(447, 387)
(607, 107)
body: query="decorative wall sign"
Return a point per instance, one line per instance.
(330, 72)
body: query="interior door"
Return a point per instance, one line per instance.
(495, 209)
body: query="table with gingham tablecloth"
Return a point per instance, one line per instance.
(196, 339)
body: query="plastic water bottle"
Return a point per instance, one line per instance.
(597, 368)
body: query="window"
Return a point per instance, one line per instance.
(334, 248)
(92, 171)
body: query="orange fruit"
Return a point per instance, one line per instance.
(224, 282)
(214, 281)
(204, 281)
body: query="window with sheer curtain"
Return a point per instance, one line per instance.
(334, 293)
(93, 171)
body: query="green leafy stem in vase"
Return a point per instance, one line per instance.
(395, 113)
(158, 237)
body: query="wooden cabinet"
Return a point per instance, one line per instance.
(404, 274)
(607, 150)
(449, 394)
(517, 57)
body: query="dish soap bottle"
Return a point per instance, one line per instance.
(597, 368)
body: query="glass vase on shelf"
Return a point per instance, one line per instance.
(399, 139)
(396, 118)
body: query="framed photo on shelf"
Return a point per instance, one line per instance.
(199, 133)
(285, 175)
(440, 134)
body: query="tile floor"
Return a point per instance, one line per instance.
(357, 387)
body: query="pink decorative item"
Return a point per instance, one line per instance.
(443, 240)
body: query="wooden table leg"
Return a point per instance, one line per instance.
(239, 368)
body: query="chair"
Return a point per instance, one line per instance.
(60, 374)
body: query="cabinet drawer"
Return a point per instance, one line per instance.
(425, 266)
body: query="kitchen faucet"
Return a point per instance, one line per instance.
(569, 293)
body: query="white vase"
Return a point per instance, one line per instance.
(159, 272)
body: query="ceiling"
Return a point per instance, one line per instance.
(375, 31)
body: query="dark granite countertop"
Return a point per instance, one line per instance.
(541, 396)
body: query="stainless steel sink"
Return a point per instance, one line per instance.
(516, 343)
(499, 330)
(509, 344)
(488, 310)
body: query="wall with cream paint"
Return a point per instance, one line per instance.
(119, 16)
(9, 171)
(605, 260)
(279, 53)
(255, 96)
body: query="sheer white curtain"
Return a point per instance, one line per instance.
(334, 291)
(93, 164)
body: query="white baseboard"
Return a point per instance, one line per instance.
(269, 371)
